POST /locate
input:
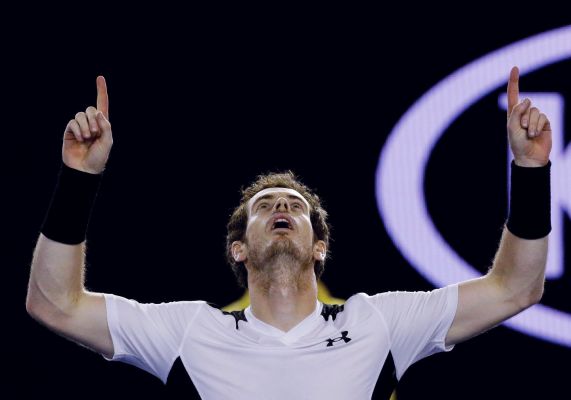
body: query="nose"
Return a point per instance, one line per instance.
(281, 204)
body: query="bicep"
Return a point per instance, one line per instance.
(483, 303)
(85, 324)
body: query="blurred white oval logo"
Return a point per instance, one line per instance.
(403, 159)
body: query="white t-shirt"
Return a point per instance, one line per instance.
(337, 352)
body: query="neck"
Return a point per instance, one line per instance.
(282, 295)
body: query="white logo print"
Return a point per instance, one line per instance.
(405, 155)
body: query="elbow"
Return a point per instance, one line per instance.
(33, 309)
(30, 308)
(33, 298)
(33, 301)
(536, 296)
(536, 293)
(531, 298)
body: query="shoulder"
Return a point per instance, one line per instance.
(224, 315)
(125, 307)
(400, 303)
(395, 297)
(357, 308)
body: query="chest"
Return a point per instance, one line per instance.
(338, 361)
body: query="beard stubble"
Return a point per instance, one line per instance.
(281, 266)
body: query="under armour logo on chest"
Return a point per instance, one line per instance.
(342, 337)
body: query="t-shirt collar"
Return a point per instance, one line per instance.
(303, 327)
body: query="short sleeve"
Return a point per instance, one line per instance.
(417, 322)
(148, 335)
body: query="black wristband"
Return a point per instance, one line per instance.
(70, 208)
(530, 201)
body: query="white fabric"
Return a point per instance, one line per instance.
(259, 361)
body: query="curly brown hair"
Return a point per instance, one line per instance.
(238, 222)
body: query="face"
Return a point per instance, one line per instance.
(279, 221)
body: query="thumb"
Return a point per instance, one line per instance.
(520, 109)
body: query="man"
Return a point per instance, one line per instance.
(286, 344)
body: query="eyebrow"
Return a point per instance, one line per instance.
(271, 196)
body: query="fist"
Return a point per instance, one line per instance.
(529, 130)
(87, 139)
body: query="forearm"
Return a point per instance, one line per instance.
(57, 271)
(56, 277)
(519, 266)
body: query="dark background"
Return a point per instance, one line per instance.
(202, 103)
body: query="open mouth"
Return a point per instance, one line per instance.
(281, 223)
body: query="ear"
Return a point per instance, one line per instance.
(239, 251)
(319, 250)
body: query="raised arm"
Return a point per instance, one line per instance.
(56, 294)
(515, 281)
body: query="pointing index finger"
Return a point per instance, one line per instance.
(513, 89)
(102, 98)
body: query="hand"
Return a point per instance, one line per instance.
(87, 139)
(529, 131)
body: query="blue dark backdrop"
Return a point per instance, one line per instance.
(199, 107)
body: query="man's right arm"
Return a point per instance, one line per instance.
(57, 299)
(56, 294)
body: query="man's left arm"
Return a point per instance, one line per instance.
(514, 283)
(516, 279)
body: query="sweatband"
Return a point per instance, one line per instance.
(70, 208)
(530, 201)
